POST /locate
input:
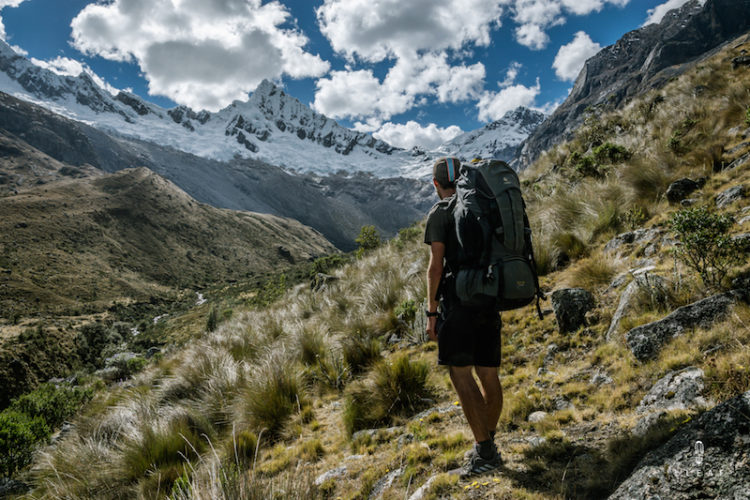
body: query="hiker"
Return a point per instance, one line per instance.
(468, 337)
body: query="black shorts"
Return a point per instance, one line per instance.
(469, 337)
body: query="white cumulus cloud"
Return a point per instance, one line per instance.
(535, 16)
(656, 14)
(374, 30)
(202, 53)
(359, 94)
(571, 57)
(413, 134)
(493, 105)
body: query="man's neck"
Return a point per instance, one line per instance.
(446, 193)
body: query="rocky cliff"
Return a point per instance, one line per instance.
(641, 60)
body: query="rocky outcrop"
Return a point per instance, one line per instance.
(677, 390)
(647, 340)
(570, 306)
(729, 196)
(708, 458)
(651, 284)
(640, 61)
(681, 189)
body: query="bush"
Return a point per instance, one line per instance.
(92, 340)
(52, 404)
(397, 388)
(747, 117)
(705, 244)
(213, 319)
(360, 351)
(609, 153)
(368, 239)
(19, 433)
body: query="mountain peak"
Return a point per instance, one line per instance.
(266, 88)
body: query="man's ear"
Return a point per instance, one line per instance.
(435, 183)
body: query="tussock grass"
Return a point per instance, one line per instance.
(396, 388)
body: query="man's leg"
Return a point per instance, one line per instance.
(492, 393)
(472, 401)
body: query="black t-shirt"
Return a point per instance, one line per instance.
(441, 228)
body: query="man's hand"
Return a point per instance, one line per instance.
(431, 332)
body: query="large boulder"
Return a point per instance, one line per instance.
(570, 306)
(647, 340)
(681, 189)
(705, 459)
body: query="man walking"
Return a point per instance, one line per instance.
(468, 338)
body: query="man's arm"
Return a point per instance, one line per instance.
(434, 273)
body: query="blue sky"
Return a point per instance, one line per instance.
(410, 71)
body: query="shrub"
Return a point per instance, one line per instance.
(18, 435)
(213, 319)
(705, 244)
(394, 388)
(368, 239)
(609, 153)
(92, 341)
(747, 117)
(243, 447)
(52, 404)
(312, 346)
(324, 265)
(634, 217)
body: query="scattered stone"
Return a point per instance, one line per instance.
(354, 458)
(442, 410)
(740, 61)
(638, 236)
(642, 282)
(570, 306)
(537, 416)
(706, 458)
(729, 196)
(618, 281)
(646, 341)
(562, 404)
(600, 378)
(405, 439)
(740, 162)
(152, 351)
(390, 431)
(689, 202)
(680, 189)
(677, 390)
(743, 239)
(536, 441)
(385, 482)
(744, 220)
(423, 490)
(331, 474)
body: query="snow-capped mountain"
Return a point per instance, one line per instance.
(499, 139)
(270, 126)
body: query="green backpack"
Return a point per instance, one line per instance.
(495, 256)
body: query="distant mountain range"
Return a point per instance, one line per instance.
(270, 126)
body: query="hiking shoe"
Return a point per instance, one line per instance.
(478, 465)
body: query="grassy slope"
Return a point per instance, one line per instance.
(292, 357)
(132, 235)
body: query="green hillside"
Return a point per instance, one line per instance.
(276, 397)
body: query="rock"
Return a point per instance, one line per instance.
(152, 351)
(536, 441)
(562, 404)
(739, 162)
(743, 239)
(537, 416)
(440, 410)
(331, 474)
(729, 196)
(642, 282)
(10, 487)
(423, 490)
(707, 458)
(646, 341)
(570, 306)
(354, 458)
(689, 202)
(740, 61)
(600, 378)
(680, 390)
(643, 235)
(680, 189)
(385, 482)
